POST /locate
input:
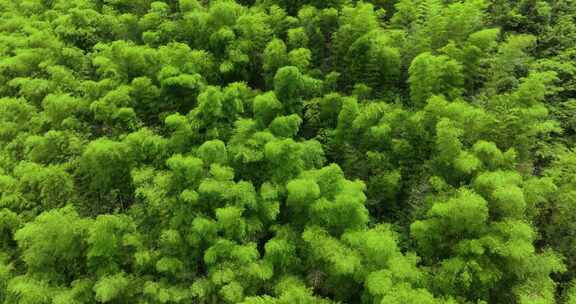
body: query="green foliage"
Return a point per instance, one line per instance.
(111, 288)
(434, 75)
(275, 151)
(53, 243)
(105, 167)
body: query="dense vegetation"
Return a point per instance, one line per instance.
(287, 151)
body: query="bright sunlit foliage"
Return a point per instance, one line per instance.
(284, 152)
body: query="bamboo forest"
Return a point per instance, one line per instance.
(288, 151)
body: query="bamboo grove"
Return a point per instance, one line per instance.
(287, 151)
